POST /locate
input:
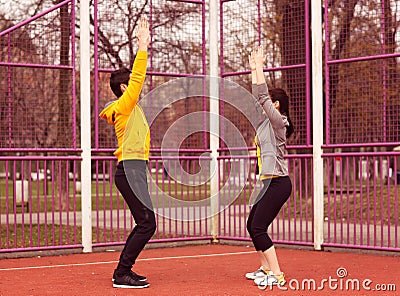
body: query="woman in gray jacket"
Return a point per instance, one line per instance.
(270, 140)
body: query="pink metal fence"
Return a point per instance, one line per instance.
(40, 154)
(362, 124)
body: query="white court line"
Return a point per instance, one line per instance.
(113, 262)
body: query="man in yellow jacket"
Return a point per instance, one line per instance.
(133, 134)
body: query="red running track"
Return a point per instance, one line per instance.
(202, 270)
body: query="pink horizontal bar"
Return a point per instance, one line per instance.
(40, 150)
(362, 59)
(40, 248)
(181, 150)
(275, 241)
(389, 153)
(361, 247)
(361, 145)
(265, 69)
(177, 157)
(21, 24)
(37, 66)
(52, 157)
(188, 1)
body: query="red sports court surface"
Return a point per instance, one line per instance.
(203, 270)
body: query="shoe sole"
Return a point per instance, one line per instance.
(254, 277)
(262, 284)
(130, 287)
(145, 279)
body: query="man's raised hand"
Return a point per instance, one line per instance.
(143, 34)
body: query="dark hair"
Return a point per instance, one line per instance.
(117, 78)
(278, 94)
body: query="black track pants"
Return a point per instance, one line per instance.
(131, 181)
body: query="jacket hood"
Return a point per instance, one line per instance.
(108, 112)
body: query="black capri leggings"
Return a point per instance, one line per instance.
(270, 200)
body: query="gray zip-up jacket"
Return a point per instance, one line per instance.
(271, 135)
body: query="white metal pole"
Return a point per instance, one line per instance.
(86, 192)
(214, 109)
(318, 134)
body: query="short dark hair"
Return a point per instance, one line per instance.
(118, 77)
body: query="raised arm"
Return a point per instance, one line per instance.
(131, 94)
(263, 96)
(252, 64)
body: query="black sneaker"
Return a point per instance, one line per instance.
(134, 275)
(128, 282)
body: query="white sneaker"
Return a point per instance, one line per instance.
(259, 273)
(270, 280)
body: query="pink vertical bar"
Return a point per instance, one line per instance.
(104, 195)
(328, 165)
(60, 212)
(23, 204)
(45, 204)
(74, 209)
(163, 199)
(182, 208)
(355, 199)
(118, 208)
(244, 195)
(15, 206)
(154, 178)
(30, 205)
(227, 172)
(206, 219)
(361, 195)
(52, 202)
(67, 201)
(303, 206)
(96, 70)
(347, 170)
(381, 197)
(169, 209)
(289, 202)
(7, 242)
(304, 163)
(222, 183)
(341, 198)
(334, 201)
(295, 202)
(190, 208)
(383, 61)
(396, 204)
(38, 200)
(73, 64)
(110, 196)
(176, 206)
(97, 201)
(327, 81)
(389, 201)
(354, 189)
(368, 193)
(368, 207)
(312, 199)
(235, 192)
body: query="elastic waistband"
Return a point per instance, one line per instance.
(265, 177)
(132, 163)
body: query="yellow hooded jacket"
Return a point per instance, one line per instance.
(127, 116)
